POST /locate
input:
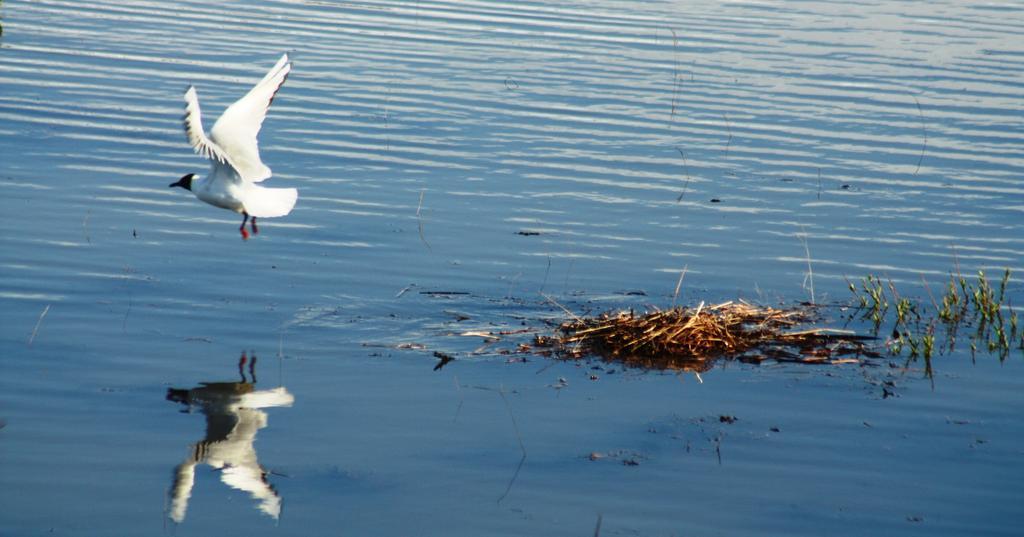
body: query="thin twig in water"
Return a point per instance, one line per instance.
(546, 271)
(956, 262)
(676, 82)
(549, 365)
(419, 221)
(892, 289)
(405, 290)
(810, 272)
(555, 302)
(280, 358)
(929, 291)
(462, 399)
(85, 226)
(924, 128)
(597, 529)
(679, 284)
(515, 426)
(515, 476)
(39, 322)
(686, 168)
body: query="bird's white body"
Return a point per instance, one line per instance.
(222, 188)
(235, 165)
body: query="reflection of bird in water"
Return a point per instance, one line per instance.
(232, 420)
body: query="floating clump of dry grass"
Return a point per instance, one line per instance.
(692, 338)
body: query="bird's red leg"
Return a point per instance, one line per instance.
(253, 224)
(245, 234)
(241, 366)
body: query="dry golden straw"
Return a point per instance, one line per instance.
(690, 339)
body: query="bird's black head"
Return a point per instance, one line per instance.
(185, 181)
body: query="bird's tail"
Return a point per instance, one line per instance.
(265, 202)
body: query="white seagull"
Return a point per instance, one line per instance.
(235, 165)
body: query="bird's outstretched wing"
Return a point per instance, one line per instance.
(236, 130)
(193, 123)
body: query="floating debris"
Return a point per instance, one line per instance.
(443, 358)
(691, 339)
